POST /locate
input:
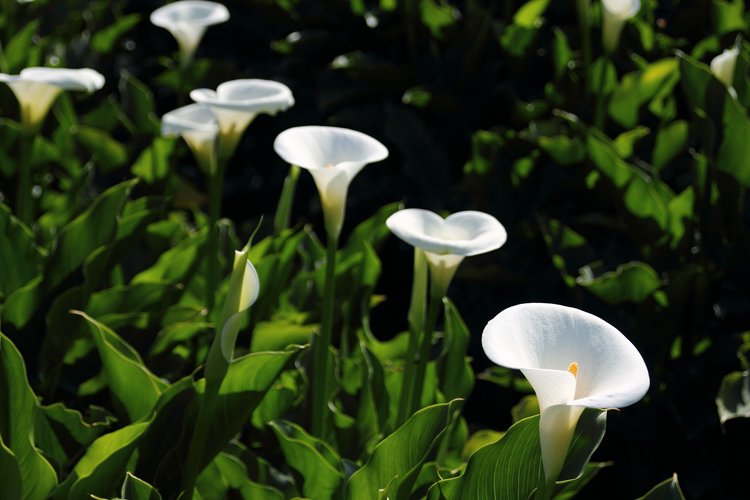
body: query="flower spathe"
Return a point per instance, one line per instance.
(614, 15)
(722, 66)
(37, 88)
(573, 360)
(187, 21)
(196, 124)
(237, 102)
(334, 156)
(447, 241)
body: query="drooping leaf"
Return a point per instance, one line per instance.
(400, 456)
(666, 490)
(318, 464)
(137, 489)
(18, 407)
(631, 282)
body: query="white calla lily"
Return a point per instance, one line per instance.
(722, 66)
(197, 125)
(334, 156)
(573, 360)
(614, 15)
(447, 241)
(37, 88)
(187, 20)
(236, 103)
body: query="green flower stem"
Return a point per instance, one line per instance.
(599, 109)
(410, 366)
(545, 489)
(198, 441)
(433, 309)
(24, 200)
(319, 379)
(214, 210)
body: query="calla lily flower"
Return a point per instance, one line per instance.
(334, 156)
(447, 241)
(37, 88)
(187, 21)
(614, 15)
(196, 124)
(573, 360)
(236, 103)
(722, 66)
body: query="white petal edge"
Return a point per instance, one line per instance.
(247, 96)
(319, 147)
(463, 233)
(193, 117)
(83, 79)
(611, 371)
(197, 12)
(621, 9)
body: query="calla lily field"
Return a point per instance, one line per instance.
(517, 270)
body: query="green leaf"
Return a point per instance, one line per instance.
(671, 140)
(317, 462)
(631, 282)
(136, 489)
(625, 142)
(18, 407)
(227, 474)
(10, 487)
(17, 51)
(734, 152)
(101, 468)
(436, 15)
(286, 200)
(131, 383)
(107, 152)
(139, 105)
(511, 468)
(178, 264)
(19, 249)
(400, 456)
(278, 335)
(639, 88)
(457, 376)
(563, 149)
(728, 16)
(666, 490)
(153, 163)
(246, 383)
(733, 399)
(104, 39)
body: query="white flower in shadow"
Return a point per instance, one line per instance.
(614, 15)
(573, 360)
(187, 21)
(196, 124)
(722, 66)
(447, 241)
(236, 103)
(37, 88)
(333, 156)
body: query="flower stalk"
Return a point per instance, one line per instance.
(319, 378)
(24, 199)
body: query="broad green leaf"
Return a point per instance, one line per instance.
(728, 16)
(638, 88)
(137, 489)
(530, 12)
(178, 264)
(457, 376)
(17, 50)
(226, 475)
(401, 455)
(563, 149)
(152, 165)
(102, 467)
(631, 282)
(107, 152)
(10, 486)
(733, 399)
(527, 407)
(478, 440)
(671, 140)
(681, 216)
(138, 103)
(562, 53)
(62, 432)
(278, 335)
(625, 142)
(18, 407)
(18, 248)
(734, 152)
(132, 384)
(666, 490)
(570, 489)
(244, 386)
(104, 39)
(511, 467)
(436, 15)
(318, 463)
